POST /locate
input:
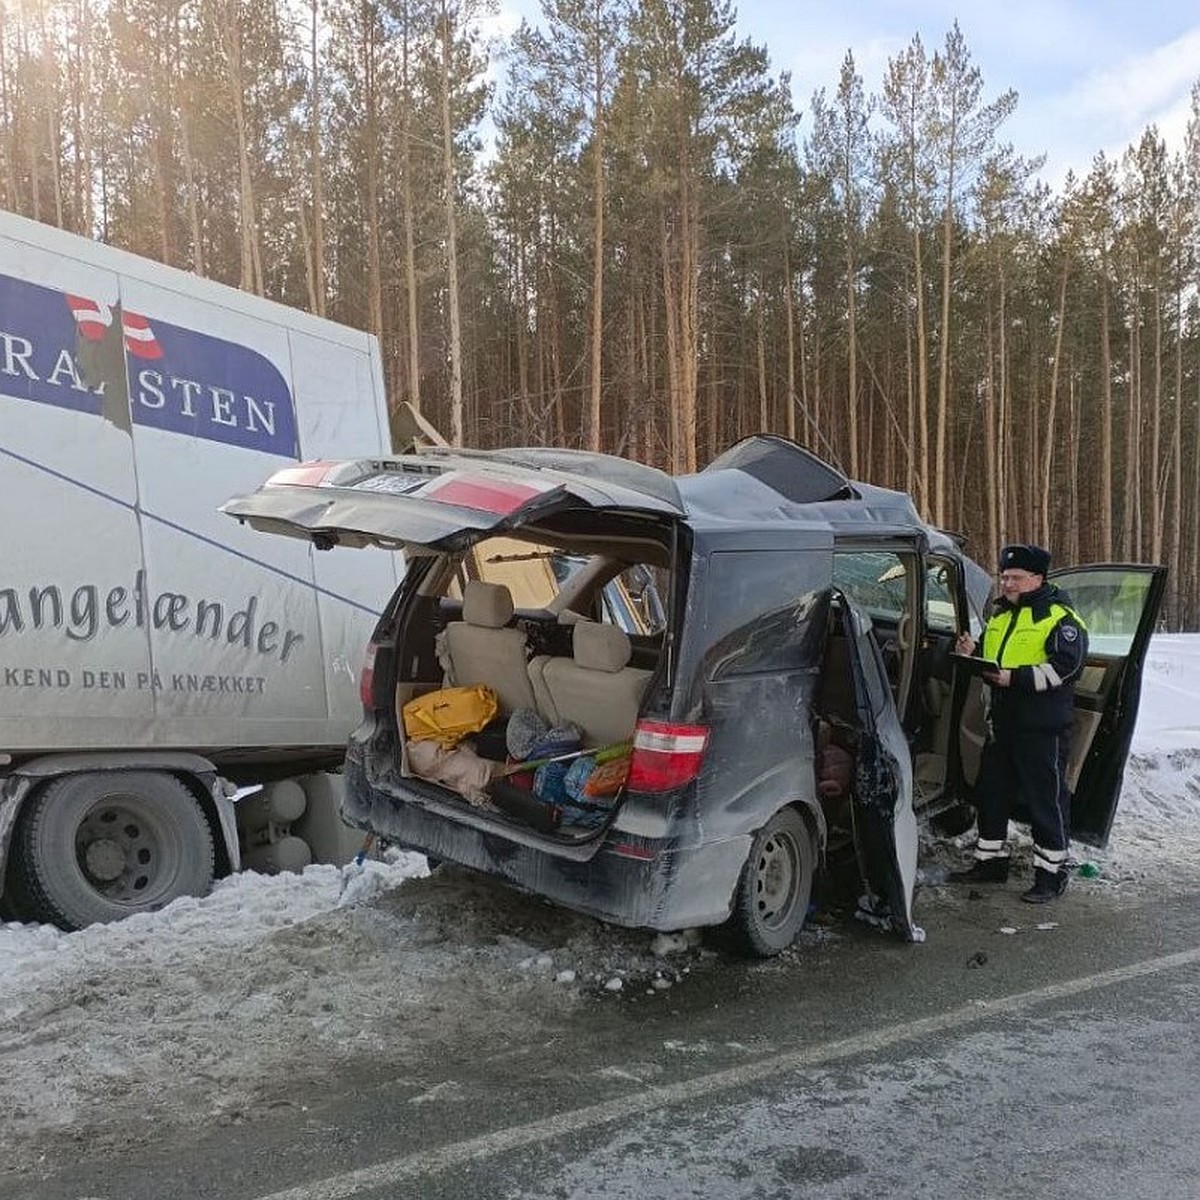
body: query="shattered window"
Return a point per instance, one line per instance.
(940, 615)
(875, 580)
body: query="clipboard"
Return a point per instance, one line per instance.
(974, 665)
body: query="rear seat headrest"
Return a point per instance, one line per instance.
(569, 616)
(600, 647)
(487, 604)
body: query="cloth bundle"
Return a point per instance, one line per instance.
(458, 767)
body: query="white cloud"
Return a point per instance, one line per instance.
(1108, 109)
(1141, 86)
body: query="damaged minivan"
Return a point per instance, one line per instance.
(701, 689)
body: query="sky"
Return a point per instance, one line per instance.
(1090, 74)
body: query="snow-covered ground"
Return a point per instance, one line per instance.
(1157, 827)
(196, 1013)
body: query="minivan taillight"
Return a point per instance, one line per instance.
(665, 755)
(366, 678)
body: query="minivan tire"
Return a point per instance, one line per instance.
(773, 892)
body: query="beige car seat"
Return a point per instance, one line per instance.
(595, 689)
(482, 650)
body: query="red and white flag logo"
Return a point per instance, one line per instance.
(94, 319)
(91, 316)
(139, 337)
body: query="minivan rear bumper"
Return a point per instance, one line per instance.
(655, 884)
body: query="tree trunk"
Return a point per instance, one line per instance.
(189, 183)
(1106, 419)
(1003, 432)
(53, 128)
(689, 285)
(593, 424)
(672, 316)
(790, 320)
(251, 263)
(81, 122)
(990, 448)
(316, 172)
(1175, 551)
(926, 495)
(1158, 491)
(1045, 491)
(371, 148)
(1132, 476)
(943, 400)
(7, 113)
(448, 185)
(851, 331)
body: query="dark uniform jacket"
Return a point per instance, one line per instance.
(1041, 693)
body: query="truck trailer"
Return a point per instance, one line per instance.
(156, 659)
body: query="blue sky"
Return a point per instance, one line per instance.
(1091, 74)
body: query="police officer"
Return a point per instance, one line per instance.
(1040, 644)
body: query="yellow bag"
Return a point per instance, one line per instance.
(449, 714)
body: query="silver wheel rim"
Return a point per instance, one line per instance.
(124, 852)
(776, 880)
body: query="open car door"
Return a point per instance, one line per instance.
(885, 828)
(1119, 603)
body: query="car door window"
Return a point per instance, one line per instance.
(876, 580)
(1111, 601)
(941, 615)
(883, 583)
(633, 602)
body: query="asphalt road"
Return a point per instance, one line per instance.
(1058, 1062)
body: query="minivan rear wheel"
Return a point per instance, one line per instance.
(775, 885)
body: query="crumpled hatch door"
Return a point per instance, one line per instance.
(885, 827)
(446, 500)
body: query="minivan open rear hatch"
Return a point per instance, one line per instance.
(444, 499)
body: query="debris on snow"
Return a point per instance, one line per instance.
(666, 944)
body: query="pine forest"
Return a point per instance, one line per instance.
(616, 230)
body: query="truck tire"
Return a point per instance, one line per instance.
(772, 895)
(99, 847)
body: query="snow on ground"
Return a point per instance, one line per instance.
(196, 1013)
(1157, 827)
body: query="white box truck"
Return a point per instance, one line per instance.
(153, 654)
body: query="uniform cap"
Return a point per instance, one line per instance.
(1029, 558)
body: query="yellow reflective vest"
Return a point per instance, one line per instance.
(1014, 638)
(1039, 695)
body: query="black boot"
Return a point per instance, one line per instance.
(1047, 886)
(984, 870)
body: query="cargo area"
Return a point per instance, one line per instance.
(547, 641)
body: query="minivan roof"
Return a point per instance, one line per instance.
(767, 480)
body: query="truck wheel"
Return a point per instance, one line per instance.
(772, 895)
(99, 847)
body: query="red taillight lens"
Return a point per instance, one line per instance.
(366, 678)
(665, 755)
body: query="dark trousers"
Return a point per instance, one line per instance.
(1031, 766)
